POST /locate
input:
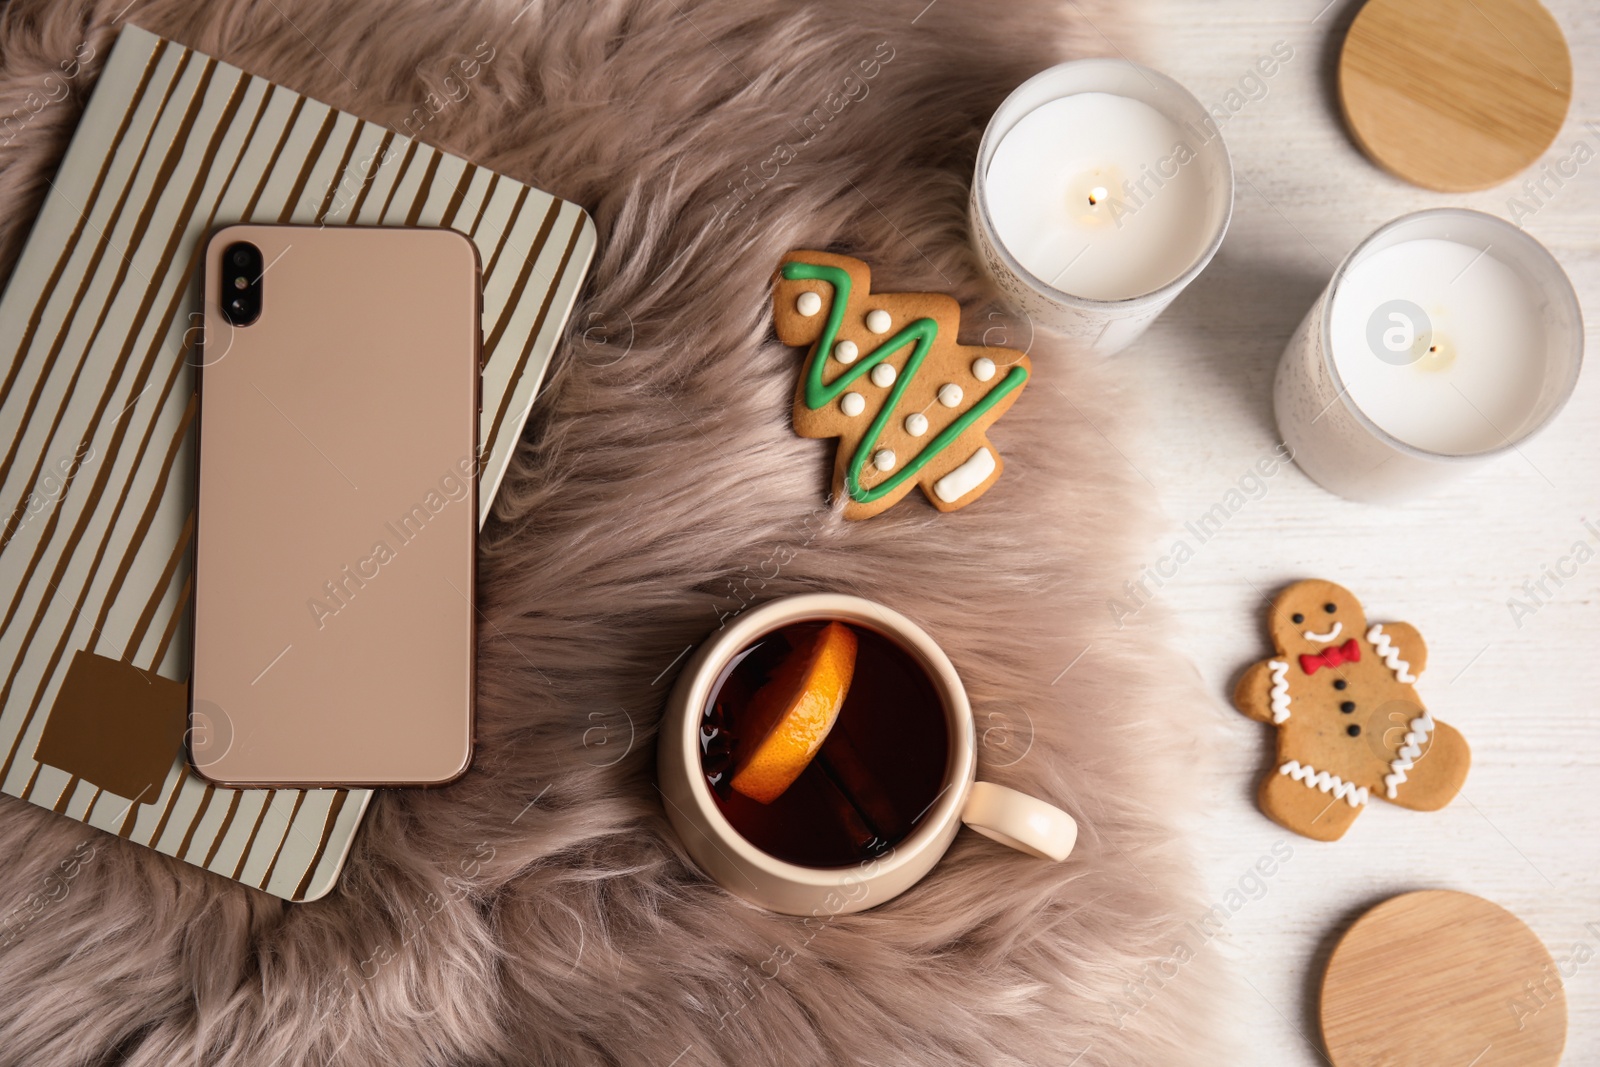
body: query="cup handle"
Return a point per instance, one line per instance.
(1025, 823)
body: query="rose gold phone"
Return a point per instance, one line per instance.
(336, 527)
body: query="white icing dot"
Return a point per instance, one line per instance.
(950, 394)
(808, 303)
(916, 424)
(878, 320)
(852, 404)
(883, 375)
(846, 351)
(983, 368)
(883, 459)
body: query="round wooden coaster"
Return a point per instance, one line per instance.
(1455, 94)
(1441, 977)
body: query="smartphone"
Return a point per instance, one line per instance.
(336, 524)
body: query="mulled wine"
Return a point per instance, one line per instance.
(879, 767)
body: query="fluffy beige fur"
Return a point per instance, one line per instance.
(539, 911)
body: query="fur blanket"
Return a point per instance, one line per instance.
(540, 911)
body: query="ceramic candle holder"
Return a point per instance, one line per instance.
(1102, 188)
(1446, 339)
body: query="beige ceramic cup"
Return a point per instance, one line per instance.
(1007, 816)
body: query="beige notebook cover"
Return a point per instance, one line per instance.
(96, 412)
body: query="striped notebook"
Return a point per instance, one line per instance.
(96, 417)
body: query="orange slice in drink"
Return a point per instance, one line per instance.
(789, 717)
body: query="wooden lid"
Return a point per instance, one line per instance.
(1455, 95)
(1440, 977)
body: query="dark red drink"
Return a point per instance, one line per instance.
(879, 770)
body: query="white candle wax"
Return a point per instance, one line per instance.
(1095, 194)
(1445, 339)
(1464, 379)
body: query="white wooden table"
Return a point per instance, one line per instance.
(1526, 831)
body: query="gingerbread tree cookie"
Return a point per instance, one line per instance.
(1350, 725)
(910, 405)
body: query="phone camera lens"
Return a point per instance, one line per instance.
(241, 302)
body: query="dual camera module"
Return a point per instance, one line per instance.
(241, 283)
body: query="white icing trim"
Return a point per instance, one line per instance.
(878, 320)
(852, 404)
(883, 459)
(983, 368)
(950, 394)
(1410, 752)
(1386, 649)
(1349, 792)
(1312, 635)
(883, 375)
(916, 424)
(965, 478)
(808, 303)
(846, 351)
(1280, 689)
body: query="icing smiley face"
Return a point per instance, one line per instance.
(1350, 725)
(1310, 616)
(1331, 635)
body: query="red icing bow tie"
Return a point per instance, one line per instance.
(1332, 656)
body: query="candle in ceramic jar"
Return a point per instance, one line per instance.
(1101, 189)
(1093, 194)
(1446, 339)
(1441, 344)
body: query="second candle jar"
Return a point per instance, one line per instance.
(1446, 339)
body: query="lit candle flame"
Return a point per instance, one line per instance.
(1092, 197)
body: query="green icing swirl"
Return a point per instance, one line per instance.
(922, 332)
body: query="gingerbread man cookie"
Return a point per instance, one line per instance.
(910, 405)
(1350, 725)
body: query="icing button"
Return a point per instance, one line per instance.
(1340, 683)
(983, 368)
(916, 424)
(1348, 706)
(883, 375)
(808, 303)
(852, 404)
(950, 394)
(846, 351)
(878, 320)
(883, 459)
(1353, 730)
